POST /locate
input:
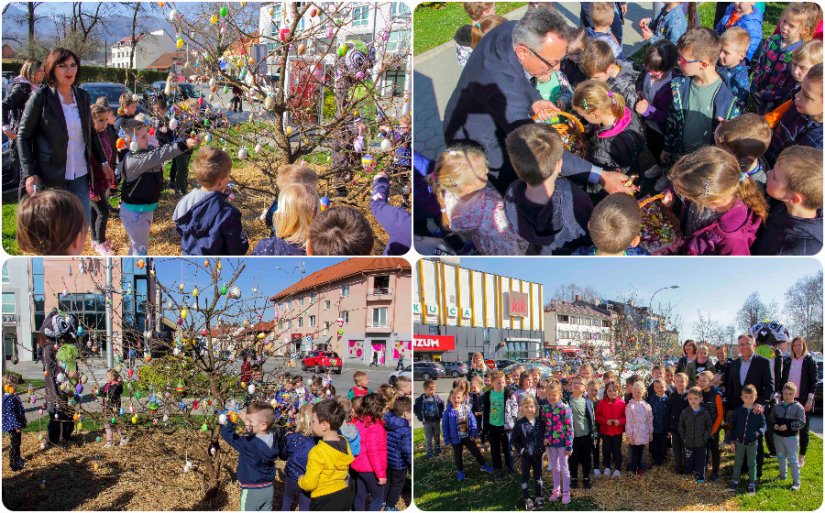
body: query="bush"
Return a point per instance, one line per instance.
(164, 373)
(100, 73)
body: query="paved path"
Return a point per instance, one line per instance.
(437, 72)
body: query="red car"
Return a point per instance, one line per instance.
(320, 361)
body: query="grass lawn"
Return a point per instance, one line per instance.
(9, 228)
(659, 489)
(436, 22)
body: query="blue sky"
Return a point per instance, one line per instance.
(715, 285)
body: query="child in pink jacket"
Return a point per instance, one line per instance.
(370, 465)
(638, 427)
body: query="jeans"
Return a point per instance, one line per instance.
(100, 216)
(499, 443)
(612, 451)
(291, 489)
(696, 459)
(432, 435)
(786, 450)
(458, 453)
(561, 472)
(529, 463)
(80, 188)
(366, 483)
(395, 485)
(582, 447)
(744, 454)
(636, 458)
(138, 225)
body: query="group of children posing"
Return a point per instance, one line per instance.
(689, 108)
(138, 146)
(579, 421)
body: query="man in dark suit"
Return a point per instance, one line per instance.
(496, 94)
(750, 369)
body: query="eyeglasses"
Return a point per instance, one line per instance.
(550, 66)
(682, 60)
(67, 66)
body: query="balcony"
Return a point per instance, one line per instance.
(377, 327)
(379, 294)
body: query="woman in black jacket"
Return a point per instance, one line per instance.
(689, 348)
(31, 76)
(800, 368)
(55, 140)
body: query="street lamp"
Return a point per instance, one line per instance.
(650, 312)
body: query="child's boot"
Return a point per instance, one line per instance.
(587, 484)
(565, 498)
(574, 482)
(555, 495)
(460, 475)
(529, 505)
(487, 468)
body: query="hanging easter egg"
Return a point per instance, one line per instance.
(120, 144)
(386, 145)
(120, 411)
(368, 162)
(113, 420)
(134, 419)
(223, 290)
(233, 416)
(325, 203)
(235, 292)
(207, 137)
(288, 131)
(222, 419)
(98, 439)
(360, 75)
(203, 332)
(358, 144)
(223, 12)
(195, 292)
(133, 147)
(330, 32)
(204, 427)
(340, 331)
(269, 103)
(180, 321)
(147, 357)
(258, 148)
(173, 15)
(137, 395)
(182, 405)
(207, 123)
(173, 124)
(405, 190)
(195, 404)
(214, 19)
(242, 154)
(179, 43)
(165, 418)
(78, 389)
(301, 49)
(283, 34)
(79, 426)
(251, 389)
(342, 50)
(261, 335)
(176, 351)
(184, 313)
(179, 388)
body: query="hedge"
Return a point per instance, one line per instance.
(100, 73)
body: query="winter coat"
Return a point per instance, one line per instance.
(791, 415)
(731, 234)
(558, 425)
(659, 407)
(510, 409)
(657, 108)
(428, 409)
(327, 468)
(639, 422)
(529, 439)
(357, 391)
(208, 224)
(395, 220)
(350, 432)
(559, 226)
(668, 25)
(745, 426)
(296, 453)
(712, 401)
(773, 83)
(785, 234)
(142, 173)
(610, 410)
(752, 23)
(373, 456)
(277, 246)
(724, 106)
(695, 428)
(619, 146)
(101, 183)
(808, 377)
(14, 415)
(399, 442)
(20, 90)
(793, 128)
(590, 418)
(483, 215)
(450, 428)
(676, 404)
(738, 81)
(256, 457)
(624, 82)
(111, 393)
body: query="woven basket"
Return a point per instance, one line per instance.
(571, 131)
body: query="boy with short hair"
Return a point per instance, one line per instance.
(362, 385)
(548, 211)
(142, 175)
(676, 405)
(207, 223)
(257, 453)
(732, 65)
(601, 14)
(584, 431)
(794, 227)
(745, 16)
(787, 419)
(747, 138)
(500, 411)
(744, 433)
(328, 463)
(802, 122)
(463, 36)
(404, 386)
(428, 409)
(340, 231)
(598, 63)
(614, 227)
(700, 97)
(695, 427)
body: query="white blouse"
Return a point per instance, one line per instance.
(76, 165)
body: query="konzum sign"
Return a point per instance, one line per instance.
(433, 343)
(518, 304)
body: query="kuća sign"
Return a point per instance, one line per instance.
(433, 343)
(517, 304)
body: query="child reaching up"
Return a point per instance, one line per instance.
(298, 206)
(51, 222)
(472, 205)
(724, 207)
(287, 175)
(207, 223)
(395, 220)
(328, 462)
(617, 138)
(14, 420)
(296, 453)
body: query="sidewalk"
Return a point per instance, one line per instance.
(436, 73)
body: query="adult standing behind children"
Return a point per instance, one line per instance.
(495, 94)
(54, 141)
(22, 86)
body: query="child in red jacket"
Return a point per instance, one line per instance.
(370, 465)
(610, 417)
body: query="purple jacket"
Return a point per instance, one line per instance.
(731, 234)
(658, 107)
(395, 220)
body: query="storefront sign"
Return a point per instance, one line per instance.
(433, 343)
(416, 308)
(432, 310)
(452, 312)
(466, 313)
(517, 303)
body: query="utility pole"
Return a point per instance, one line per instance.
(110, 356)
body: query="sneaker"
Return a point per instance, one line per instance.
(752, 488)
(487, 468)
(616, 473)
(654, 171)
(733, 485)
(606, 472)
(108, 445)
(770, 455)
(124, 440)
(565, 498)
(529, 505)
(795, 487)
(460, 475)
(597, 473)
(587, 484)
(430, 456)
(782, 477)
(700, 481)
(555, 495)
(574, 483)
(539, 502)
(801, 461)
(661, 183)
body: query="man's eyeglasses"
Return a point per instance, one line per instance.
(550, 66)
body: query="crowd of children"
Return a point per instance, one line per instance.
(138, 145)
(732, 124)
(344, 452)
(580, 420)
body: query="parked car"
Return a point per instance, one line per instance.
(500, 364)
(546, 372)
(818, 390)
(406, 371)
(428, 370)
(110, 90)
(455, 369)
(322, 361)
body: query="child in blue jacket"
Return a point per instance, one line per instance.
(458, 425)
(399, 449)
(14, 420)
(257, 453)
(296, 452)
(395, 220)
(747, 16)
